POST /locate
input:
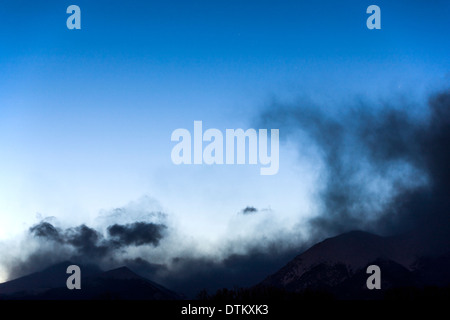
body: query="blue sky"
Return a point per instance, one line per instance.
(86, 115)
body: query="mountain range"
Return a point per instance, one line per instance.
(117, 284)
(336, 266)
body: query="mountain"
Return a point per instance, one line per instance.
(338, 265)
(38, 282)
(50, 284)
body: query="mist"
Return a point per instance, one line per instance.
(385, 170)
(386, 164)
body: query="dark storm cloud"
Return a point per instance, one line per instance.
(427, 209)
(366, 143)
(249, 210)
(138, 233)
(46, 230)
(90, 241)
(87, 241)
(85, 244)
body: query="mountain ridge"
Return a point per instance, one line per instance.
(118, 283)
(338, 265)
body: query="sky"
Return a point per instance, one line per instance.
(86, 115)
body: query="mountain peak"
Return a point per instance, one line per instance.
(337, 259)
(121, 273)
(119, 283)
(351, 250)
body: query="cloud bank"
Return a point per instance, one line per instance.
(386, 166)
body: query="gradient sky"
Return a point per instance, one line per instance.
(86, 115)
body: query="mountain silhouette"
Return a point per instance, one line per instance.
(117, 284)
(38, 282)
(338, 265)
(334, 268)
